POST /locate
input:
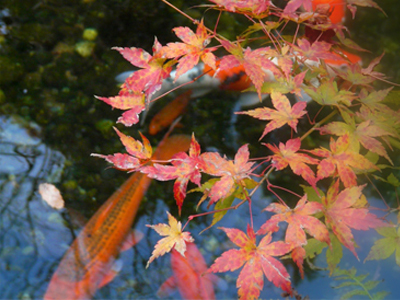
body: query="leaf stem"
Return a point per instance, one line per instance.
(318, 124)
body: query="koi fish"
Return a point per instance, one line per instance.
(169, 113)
(88, 263)
(337, 10)
(201, 79)
(189, 275)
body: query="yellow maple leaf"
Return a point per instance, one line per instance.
(174, 238)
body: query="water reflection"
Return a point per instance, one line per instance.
(34, 237)
(27, 225)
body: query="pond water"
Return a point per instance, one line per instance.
(50, 123)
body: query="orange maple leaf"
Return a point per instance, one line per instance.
(286, 156)
(340, 160)
(341, 215)
(191, 50)
(284, 113)
(175, 238)
(256, 260)
(299, 219)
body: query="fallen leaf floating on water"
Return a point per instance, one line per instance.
(51, 195)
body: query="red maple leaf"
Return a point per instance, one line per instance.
(341, 215)
(299, 219)
(287, 155)
(139, 153)
(340, 160)
(184, 168)
(133, 101)
(255, 62)
(191, 50)
(313, 52)
(153, 69)
(284, 113)
(231, 172)
(256, 260)
(293, 5)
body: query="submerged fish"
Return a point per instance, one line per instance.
(88, 263)
(169, 113)
(337, 9)
(189, 275)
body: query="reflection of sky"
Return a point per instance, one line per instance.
(28, 228)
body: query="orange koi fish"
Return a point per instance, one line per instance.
(169, 113)
(341, 61)
(337, 11)
(87, 264)
(189, 275)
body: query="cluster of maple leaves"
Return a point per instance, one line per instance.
(360, 119)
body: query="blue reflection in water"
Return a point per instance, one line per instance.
(29, 229)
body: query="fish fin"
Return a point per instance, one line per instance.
(167, 287)
(249, 99)
(172, 145)
(133, 237)
(114, 271)
(120, 78)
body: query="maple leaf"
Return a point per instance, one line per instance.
(363, 133)
(299, 219)
(231, 172)
(373, 99)
(363, 3)
(255, 8)
(153, 69)
(174, 238)
(293, 84)
(329, 94)
(133, 101)
(139, 153)
(255, 63)
(313, 52)
(286, 156)
(353, 73)
(284, 113)
(256, 260)
(385, 119)
(340, 160)
(341, 215)
(293, 5)
(383, 248)
(184, 168)
(191, 50)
